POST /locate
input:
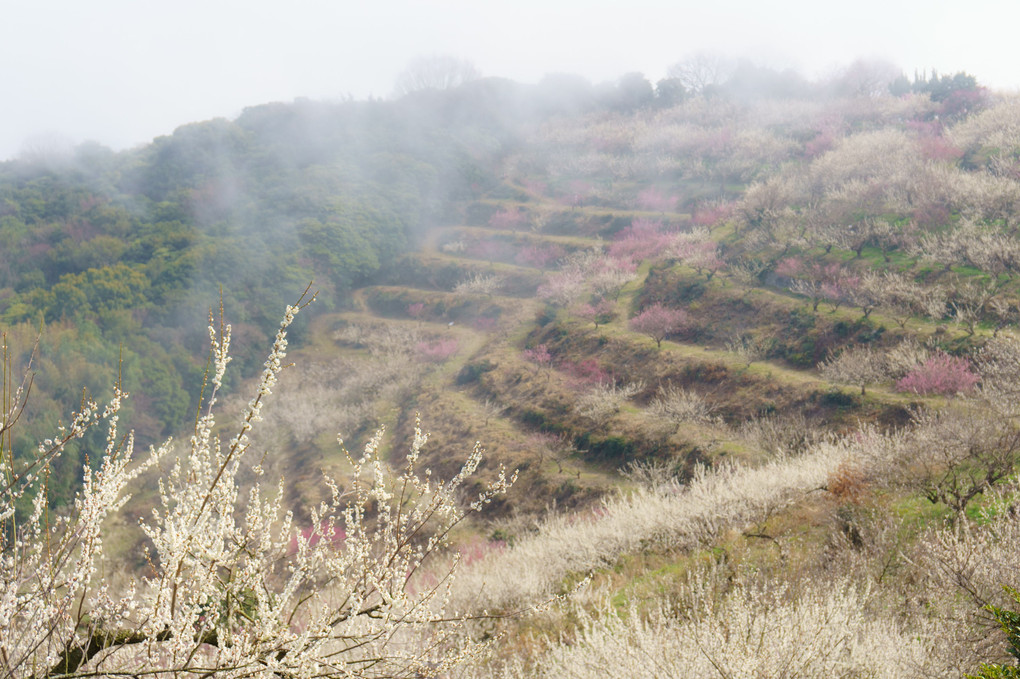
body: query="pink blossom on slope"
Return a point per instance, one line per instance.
(643, 239)
(658, 321)
(437, 352)
(940, 374)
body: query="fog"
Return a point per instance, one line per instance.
(121, 72)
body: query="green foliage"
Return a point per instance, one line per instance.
(536, 419)
(472, 371)
(128, 251)
(1009, 621)
(613, 449)
(836, 399)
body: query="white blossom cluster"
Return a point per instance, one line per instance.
(725, 498)
(239, 587)
(51, 592)
(479, 284)
(603, 400)
(678, 406)
(585, 273)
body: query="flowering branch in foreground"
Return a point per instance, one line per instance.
(238, 588)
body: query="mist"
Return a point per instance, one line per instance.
(122, 73)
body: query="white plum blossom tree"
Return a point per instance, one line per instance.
(238, 587)
(858, 366)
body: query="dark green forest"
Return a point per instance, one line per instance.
(113, 261)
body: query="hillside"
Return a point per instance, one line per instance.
(809, 416)
(754, 360)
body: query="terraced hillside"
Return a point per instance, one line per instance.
(490, 331)
(716, 383)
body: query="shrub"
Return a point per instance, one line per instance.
(679, 406)
(602, 401)
(836, 399)
(472, 371)
(615, 449)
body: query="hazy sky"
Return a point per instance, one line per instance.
(124, 71)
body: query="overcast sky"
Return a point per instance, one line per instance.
(121, 72)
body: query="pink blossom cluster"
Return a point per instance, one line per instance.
(820, 281)
(643, 239)
(939, 148)
(416, 310)
(312, 535)
(828, 132)
(658, 321)
(940, 374)
(789, 267)
(438, 351)
(539, 355)
(484, 324)
(534, 186)
(577, 191)
(586, 372)
(823, 142)
(477, 549)
(840, 287)
(931, 142)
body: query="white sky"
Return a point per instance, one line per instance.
(121, 72)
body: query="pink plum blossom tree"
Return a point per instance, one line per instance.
(940, 374)
(416, 310)
(539, 355)
(599, 313)
(659, 321)
(789, 267)
(438, 351)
